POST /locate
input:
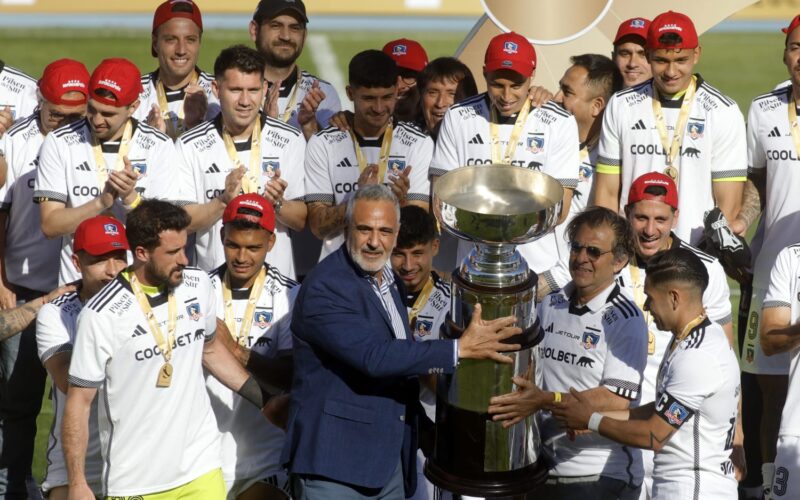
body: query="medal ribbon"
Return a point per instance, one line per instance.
(287, 112)
(422, 299)
(100, 160)
(494, 132)
(639, 298)
(250, 181)
(175, 126)
(794, 127)
(383, 160)
(673, 150)
(247, 321)
(165, 344)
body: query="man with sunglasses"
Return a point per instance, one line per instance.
(594, 341)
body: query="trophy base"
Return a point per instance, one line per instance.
(489, 485)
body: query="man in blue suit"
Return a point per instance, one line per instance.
(354, 410)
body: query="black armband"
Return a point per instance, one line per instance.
(253, 392)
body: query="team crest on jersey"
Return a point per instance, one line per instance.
(140, 168)
(676, 414)
(510, 48)
(396, 167)
(193, 310)
(423, 327)
(399, 50)
(262, 319)
(584, 173)
(271, 167)
(590, 340)
(696, 128)
(111, 229)
(536, 143)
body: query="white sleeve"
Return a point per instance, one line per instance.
(187, 170)
(51, 179)
(756, 156)
(94, 346)
(51, 335)
(293, 170)
(780, 292)
(563, 161)
(318, 178)
(329, 106)
(729, 146)
(691, 377)
(609, 152)
(28, 101)
(420, 160)
(7, 150)
(626, 357)
(717, 297)
(211, 306)
(445, 156)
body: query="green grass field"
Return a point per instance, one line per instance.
(742, 65)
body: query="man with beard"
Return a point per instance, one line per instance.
(100, 254)
(141, 346)
(176, 96)
(355, 398)
(296, 97)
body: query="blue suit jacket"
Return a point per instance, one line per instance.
(355, 396)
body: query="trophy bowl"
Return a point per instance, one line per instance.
(498, 204)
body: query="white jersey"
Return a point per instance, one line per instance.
(149, 96)
(332, 168)
(601, 344)
(31, 260)
(17, 92)
(327, 108)
(55, 334)
(205, 164)
(68, 173)
(784, 291)
(251, 445)
(548, 143)
(713, 147)
(771, 152)
(153, 439)
(698, 395)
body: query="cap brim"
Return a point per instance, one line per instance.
(98, 249)
(518, 67)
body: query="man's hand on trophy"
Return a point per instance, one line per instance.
(483, 339)
(515, 406)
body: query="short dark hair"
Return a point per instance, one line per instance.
(417, 227)
(152, 217)
(595, 217)
(245, 59)
(603, 75)
(372, 69)
(678, 265)
(450, 69)
(670, 39)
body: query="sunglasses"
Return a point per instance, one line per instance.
(594, 253)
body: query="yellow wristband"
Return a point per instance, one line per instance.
(556, 397)
(136, 202)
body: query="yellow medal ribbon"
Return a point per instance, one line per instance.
(251, 180)
(673, 150)
(494, 131)
(287, 112)
(100, 160)
(794, 127)
(383, 160)
(639, 297)
(164, 344)
(422, 299)
(174, 122)
(686, 329)
(247, 321)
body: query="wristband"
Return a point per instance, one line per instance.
(556, 397)
(594, 422)
(136, 202)
(252, 392)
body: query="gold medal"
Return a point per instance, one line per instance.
(672, 172)
(164, 375)
(672, 149)
(651, 343)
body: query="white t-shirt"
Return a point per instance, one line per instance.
(698, 395)
(67, 173)
(784, 291)
(332, 166)
(601, 344)
(149, 96)
(205, 163)
(55, 334)
(153, 439)
(17, 92)
(771, 151)
(31, 260)
(327, 108)
(548, 143)
(251, 445)
(713, 148)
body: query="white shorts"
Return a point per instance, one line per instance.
(753, 360)
(56, 475)
(646, 493)
(786, 482)
(278, 480)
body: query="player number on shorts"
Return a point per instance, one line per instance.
(780, 481)
(731, 433)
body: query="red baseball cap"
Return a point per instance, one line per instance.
(637, 191)
(171, 9)
(407, 54)
(251, 207)
(635, 26)
(120, 77)
(794, 24)
(100, 235)
(672, 22)
(62, 76)
(510, 51)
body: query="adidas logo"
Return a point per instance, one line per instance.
(476, 140)
(213, 169)
(84, 167)
(549, 329)
(344, 163)
(639, 125)
(774, 133)
(138, 331)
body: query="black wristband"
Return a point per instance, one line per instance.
(253, 392)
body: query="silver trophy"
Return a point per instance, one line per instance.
(496, 207)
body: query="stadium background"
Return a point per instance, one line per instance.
(741, 56)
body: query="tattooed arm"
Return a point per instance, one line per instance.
(324, 219)
(13, 321)
(753, 200)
